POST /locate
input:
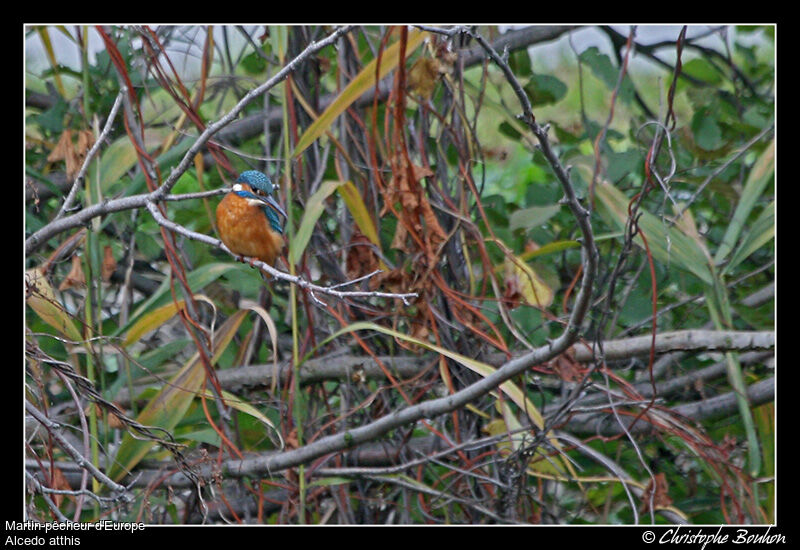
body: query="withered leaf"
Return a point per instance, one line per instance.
(72, 154)
(361, 258)
(109, 263)
(660, 496)
(422, 77)
(75, 277)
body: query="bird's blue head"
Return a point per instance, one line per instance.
(262, 188)
(257, 180)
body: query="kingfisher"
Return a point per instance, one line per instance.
(247, 218)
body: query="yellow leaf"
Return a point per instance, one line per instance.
(151, 321)
(355, 204)
(362, 82)
(236, 402)
(422, 77)
(42, 299)
(170, 404)
(526, 281)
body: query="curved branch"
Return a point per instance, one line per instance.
(435, 407)
(58, 226)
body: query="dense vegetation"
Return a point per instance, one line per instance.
(528, 275)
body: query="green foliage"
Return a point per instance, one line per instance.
(494, 194)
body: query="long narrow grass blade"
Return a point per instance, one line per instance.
(42, 299)
(669, 245)
(355, 204)
(761, 232)
(719, 308)
(170, 404)
(235, 402)
(508, 387)
(362, 82)
(44, 36)
(314, 208)
(760, 175)
(151, 321)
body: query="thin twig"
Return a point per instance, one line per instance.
(53, 429)
(90, 155)
(293, 279)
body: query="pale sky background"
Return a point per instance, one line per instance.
(187, 58)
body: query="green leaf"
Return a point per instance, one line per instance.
(534, 216)
(544, 89)
(760, 175)
(314, 208)
(330, 481)
(623, 163)
(602, 67)
(549, 248)
(669, 245)
(508, 130)
(520, 63)
(278, 39)
(53, 118)
(165, 160)
(120, 156)
(706, 131)
(701, 69)
(254, 64)
(159, 107)
(170, 404)
(762, 231)
(235, 402)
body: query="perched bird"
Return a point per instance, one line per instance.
(247, 218)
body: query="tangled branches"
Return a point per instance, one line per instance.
(430, 361)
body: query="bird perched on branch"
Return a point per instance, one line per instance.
(248, 218)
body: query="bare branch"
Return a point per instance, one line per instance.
(686, 340)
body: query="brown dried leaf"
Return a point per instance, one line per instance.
(567, 368)
(393, 281)
(511, 294)
(399, 239)
(109, 263)
(113, 421)
(361, 258)
(62, 148)
(431, 221)
(422, 77)
(85, 142)
(75, 277)
(661, 498)
(59, 483)
(72, 154)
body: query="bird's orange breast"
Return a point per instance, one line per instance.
(245, 230)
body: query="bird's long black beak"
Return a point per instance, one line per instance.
(272, 203)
